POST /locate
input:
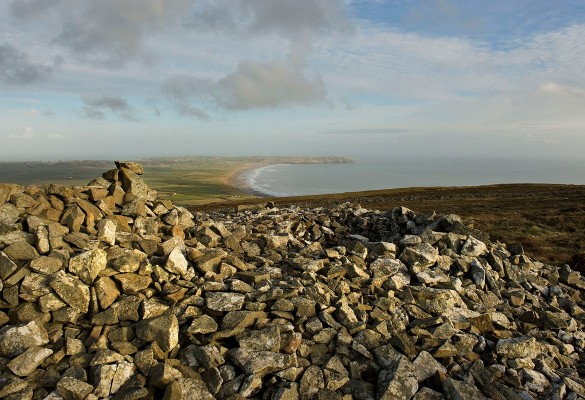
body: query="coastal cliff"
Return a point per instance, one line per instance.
(111, 292)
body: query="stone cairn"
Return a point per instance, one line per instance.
(110, 293)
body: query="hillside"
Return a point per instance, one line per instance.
(111, 292)
(545, 219)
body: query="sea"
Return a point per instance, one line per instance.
(382, 173)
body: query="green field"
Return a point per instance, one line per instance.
(185, 180)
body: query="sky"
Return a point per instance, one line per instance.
(108, 79)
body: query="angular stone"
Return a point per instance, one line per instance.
(106, 291)
(87, 265)
(419, 257)
(42, 243)
(398, 383)
(164, 330)
(519, 347)
(458, 390)
(71, 290)
(7, 266)
(133, 166)
(207, 356)
(425, 393)
(16, 339)
(425, 366)
(133, 184)
(187, 388)
(73, 218)
(9, 214)
(133, 283)
(73, 389)
(204, 324)
(435, 301)
(176, 262)
(106, 231)
(473, 247)
(260, 362)
(127, 260)
(109, 378)
(267, 339)
(345, 315)
(21, 251)
(224, 301)
(27, 362)
(311, 382)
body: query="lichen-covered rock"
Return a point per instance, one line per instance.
(71, 290)
(27, 362)
(87, 265)
(224, 301)
(16, 339)
(164, 330)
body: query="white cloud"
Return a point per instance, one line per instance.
(28, 112)
(25, 134)
(55, 136)
(251, 86)
(562, 90)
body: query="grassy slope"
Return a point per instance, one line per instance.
(547, 220)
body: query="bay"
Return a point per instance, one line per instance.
(382, 173)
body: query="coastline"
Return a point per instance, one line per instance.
(237, 178)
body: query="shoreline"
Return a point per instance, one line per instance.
(236, 178)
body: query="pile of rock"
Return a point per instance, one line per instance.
(108, 292)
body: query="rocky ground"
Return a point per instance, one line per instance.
(108, 292)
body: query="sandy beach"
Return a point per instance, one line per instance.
(236, 178)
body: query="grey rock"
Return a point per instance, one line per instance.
(419, 257)
(187, 388)
(16, 339)
(520, 347)
(71, 290)
(176, 262)
(164, 330)
(473, 247)
(21, 251)
(425, 366)
(27, 362)
(458, 390)
(73, 389)
(224, 301)
(87, 265)
(43, 245)
(106, 231)
(260, 362)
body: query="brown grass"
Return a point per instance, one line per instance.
(548, 220)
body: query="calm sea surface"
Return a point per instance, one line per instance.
(371, 174)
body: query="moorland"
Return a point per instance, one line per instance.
(546, 219)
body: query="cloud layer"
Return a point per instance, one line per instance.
(252, 85)
(106, 32)
(97, 106)
(385, 68)
(16, 67)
